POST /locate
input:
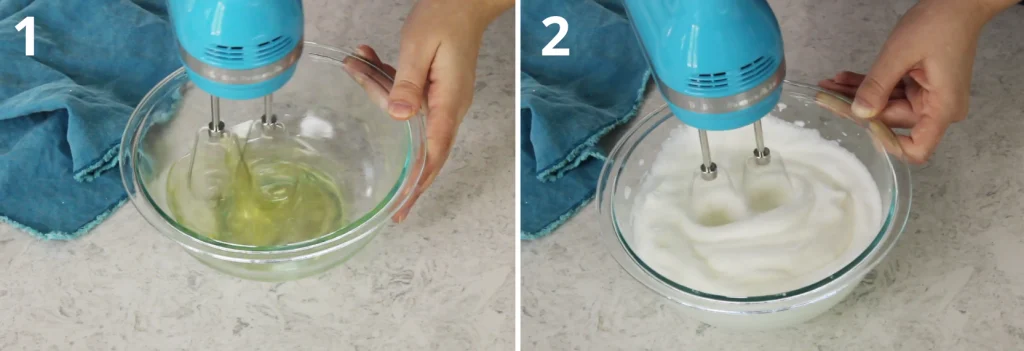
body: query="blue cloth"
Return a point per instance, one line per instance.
(570, 102)
(63, 110)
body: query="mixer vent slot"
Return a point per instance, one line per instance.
(754, 71)
(709, 81)
(225, 53)
(239, 54)
(275, 47)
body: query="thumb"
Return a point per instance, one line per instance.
(887, 72)
(406, 96)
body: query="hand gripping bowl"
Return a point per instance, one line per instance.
(334, 105)
(872, 143)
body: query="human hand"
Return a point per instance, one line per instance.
(436, 72)
(372, 75)
(922, 78)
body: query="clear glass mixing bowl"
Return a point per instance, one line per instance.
(872, 143)
(334, 104)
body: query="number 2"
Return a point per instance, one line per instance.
(563, 28)
(29, 25)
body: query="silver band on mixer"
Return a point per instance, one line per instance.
(724, 104)
(245, 76)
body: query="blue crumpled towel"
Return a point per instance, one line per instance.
(570, 102)
(62, 111)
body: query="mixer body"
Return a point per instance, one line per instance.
(718, 63)
(238, 49)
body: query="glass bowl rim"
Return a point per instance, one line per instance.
(892, 226)
(353, 231)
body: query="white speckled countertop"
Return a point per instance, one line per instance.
(443, 280)
(955, 281)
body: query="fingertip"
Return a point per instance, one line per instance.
(403, 213)
(400, 217)
(365, 51)
(862, 109)
(406, 96)
(912, 153)
(401, 110)
(917, 150)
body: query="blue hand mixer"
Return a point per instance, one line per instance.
(718, 63)
(238, 49)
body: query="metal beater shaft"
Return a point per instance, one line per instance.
(268, 116)
(708, 170)
(761, 154)
(215, 123)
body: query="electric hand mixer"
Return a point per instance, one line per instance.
(718, 63)
(237, 50)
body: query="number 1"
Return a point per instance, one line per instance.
(29, 25)
(563, 28)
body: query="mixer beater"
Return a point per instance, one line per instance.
(709, 170)
(726, 74)
(238, 50)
